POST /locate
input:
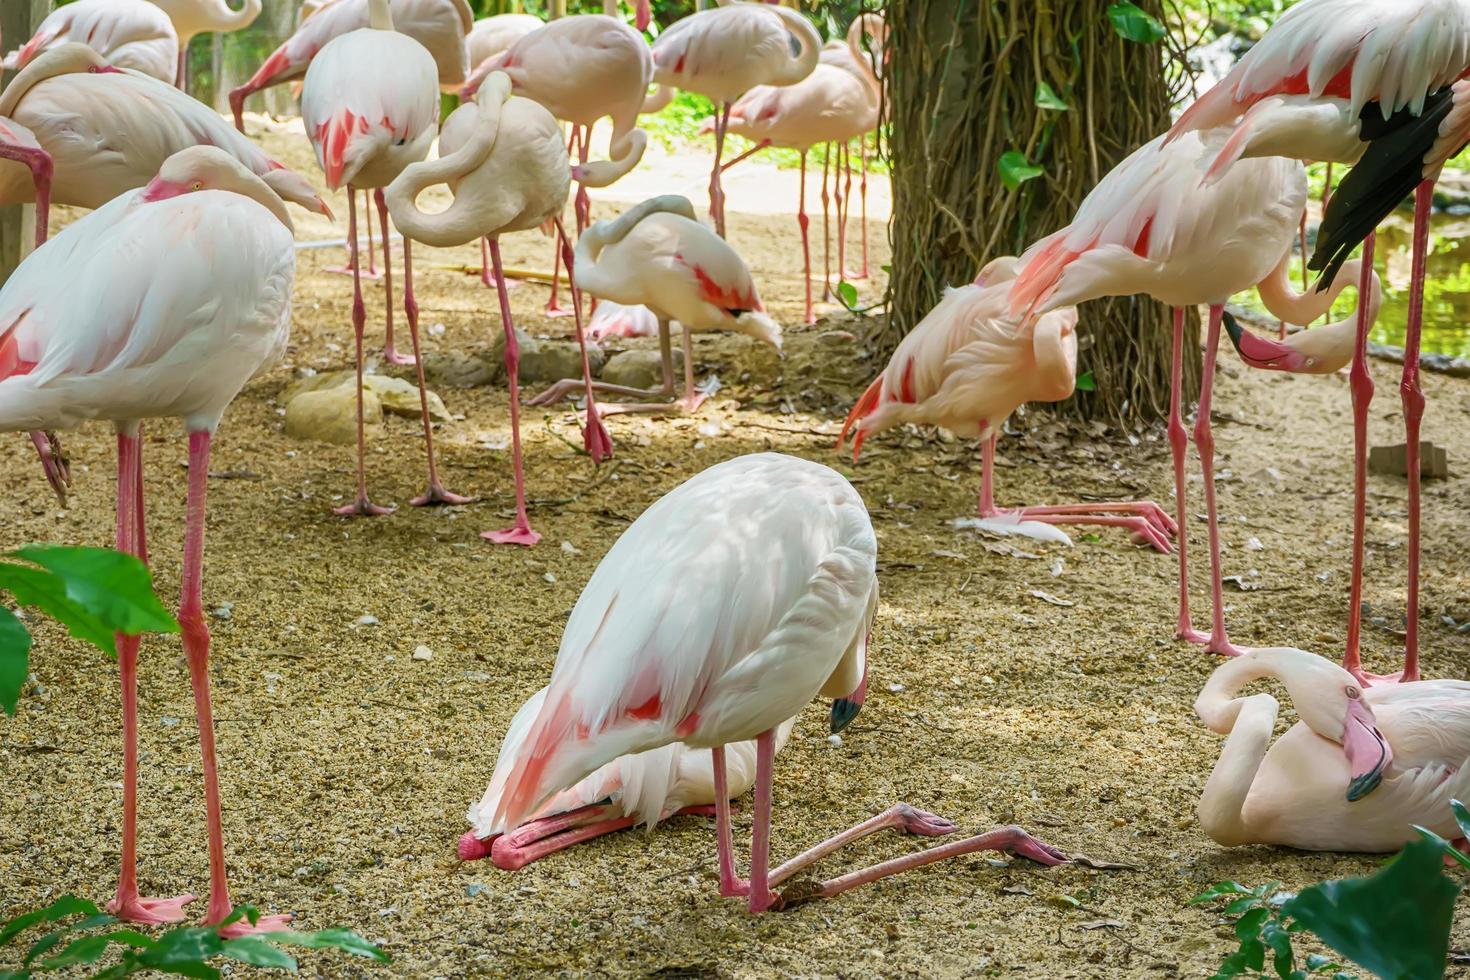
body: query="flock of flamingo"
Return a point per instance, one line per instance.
(752, 588)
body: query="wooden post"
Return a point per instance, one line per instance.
(18, 21)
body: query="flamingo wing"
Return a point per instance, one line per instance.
(128, 33)
(720, 612)
(1365, 51)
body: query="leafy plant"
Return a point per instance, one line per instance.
(94, 592)
(185, 951)
(1135, 24)
(1394, 923)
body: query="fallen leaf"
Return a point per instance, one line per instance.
(1101, 924)
(1015, 890)
(1090, 862)
(1048, 597)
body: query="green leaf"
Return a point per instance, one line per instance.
(1015, 169)
(190, 944)
(1254, 953)
(1135, 24)
(1086, 381)
(1450, 850)
(1394, 923)
(66, 905)
(88, 949)
(1462, 817)
(114, 587)
(848, 293)
(1242, 905)
(15, 660)
(1047, 98)
(257, 952)
(46, 592)
(1317, 963)
(336, 938)
(1248, 926)
(187, 968)
(1278, 940)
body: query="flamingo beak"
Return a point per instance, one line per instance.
(1264, 353)
(1368, 752)
(159, 189)
(844, 710)
(642, 15)
(325, 209)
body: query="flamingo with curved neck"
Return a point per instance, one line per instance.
(1359, 769)
(194, 17)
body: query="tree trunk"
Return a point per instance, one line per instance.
(965, 81)
(18, 21)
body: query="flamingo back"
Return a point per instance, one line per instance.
(723, 52)
(830, 104)
(128, 33)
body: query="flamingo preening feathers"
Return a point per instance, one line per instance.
(133, 34)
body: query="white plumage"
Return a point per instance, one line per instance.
(131, 34)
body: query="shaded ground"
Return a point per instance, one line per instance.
(348, 765)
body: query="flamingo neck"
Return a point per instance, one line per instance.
(1222, 804)
(1056, 361)
(380, 15)
(872, 27)
(804, 63)
(1285, 303)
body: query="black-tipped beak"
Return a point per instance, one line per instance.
(1363, 785)
(843, 712)
(1259, 352)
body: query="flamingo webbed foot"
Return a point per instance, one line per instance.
(437, 496)
(149, 911)
(362, 507)
(520, 534)
(264, 924)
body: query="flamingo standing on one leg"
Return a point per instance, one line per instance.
(1148, 227)
(645, 788)
(656, 255)
(1383, 87)
(201, 305)
(441, 26)
(830, 104)
(504, 161)
(132, 34)
(719, 614)
(582, 68)
(724, 52)
(1358, 772)
(366, 126)
(967, 367)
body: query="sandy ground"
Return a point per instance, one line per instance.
(347, 764)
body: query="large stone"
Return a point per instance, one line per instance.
(395, 394)
(545, 361)
(641, 369)
(456, 369)
(330, 415)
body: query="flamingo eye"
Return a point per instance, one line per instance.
(198, 185)
(1353, 693)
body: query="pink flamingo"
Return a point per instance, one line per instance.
(201, 306)
(1148, 227)
(582, 68)
(831, 105)
(1381, 86)
(616, 320)
(726, 51)
(1359, 770)
(492, 35)
(719, 614)
(194, 17)
(967, 367)
(645, 788)
(74, 102)
(132, 34)
(366, 126)
(656, 255)
(504, 161)
(441, 26)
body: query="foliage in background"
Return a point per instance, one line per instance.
(185, 951)
(93, 592)
(1004, 115)
(1394, 923)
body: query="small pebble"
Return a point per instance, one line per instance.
(568, 548)
(550, 577)
(473, 888)
(367, 621)
(895, 688)
(422, 652)
(168, 721)
(835, 741)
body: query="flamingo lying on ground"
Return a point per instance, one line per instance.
(202, 304)
(131, 34)
(582, 68)
(645, 789)
(718, 615)
(831, 105)
(441, 26)
(366, 126)
(1356, 773)
(656, 255)
(74, 103)
(1381, 86)
(724, 52)
(967, 367)
(1148, 227)
(503, 158)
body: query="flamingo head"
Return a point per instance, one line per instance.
(844, 710)
(346, 142)
(1331, 703)
(997, 270)
(208, 168)
(1264, 353)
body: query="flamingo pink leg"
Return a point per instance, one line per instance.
(844, 207)
(345, 269)
(361, 507)
(863, 194)
(509, 857)
(1204, 441)
(716, 192)
(390, 354)
(1360, 380)
(1150, 522)
(563, 388)
(731, 885)
(42, 166)
(1412, 395)
(196, 652)
(53, 463)
(520, 533)
(806, 248)
(553, 307)
(435, 494)
(746, 155)
(538, 838)
(903, 817)
(1179, 448)
(131, 539)
(826, 230)
(595, 438)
